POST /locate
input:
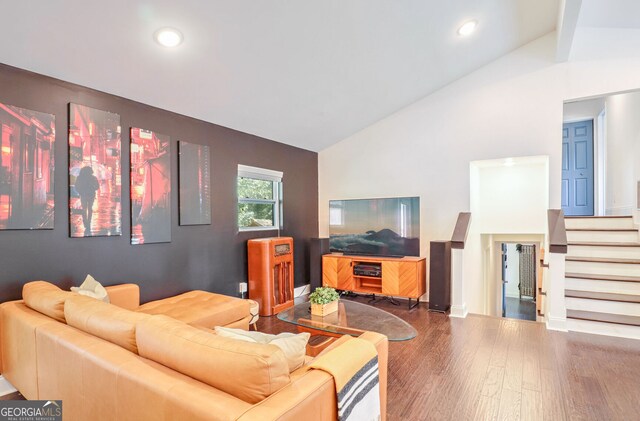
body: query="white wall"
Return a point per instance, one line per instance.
(623, 152)
(507, 197)
(510, 196)
(513, 271)
(588, 109)
(509, 108)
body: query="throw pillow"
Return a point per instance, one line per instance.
(92, 288)
(293, 346)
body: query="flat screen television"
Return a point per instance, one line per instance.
(376, 227)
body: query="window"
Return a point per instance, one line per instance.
(259, 199)
(336, 215)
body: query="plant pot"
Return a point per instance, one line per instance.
(324, 309)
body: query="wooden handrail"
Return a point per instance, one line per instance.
(557, 231)
(461, 230)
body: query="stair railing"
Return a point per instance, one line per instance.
(458, 239)
(555, 310)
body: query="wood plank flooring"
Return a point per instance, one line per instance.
(488, 368)
(12, 397)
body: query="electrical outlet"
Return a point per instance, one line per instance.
(243, 287)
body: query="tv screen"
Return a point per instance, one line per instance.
(379, 227)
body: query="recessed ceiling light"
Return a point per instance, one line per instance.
(168, 37)
(467, 28)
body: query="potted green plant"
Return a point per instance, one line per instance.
(324, 300)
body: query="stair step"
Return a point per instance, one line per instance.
(622, 250)
(603, 296)
(601, 244)
(609, 266)
(603, 328)
(599, 222)
(593, 316)
(619, 278)
(603, 260)
(602, 229)
(598, 285)
(602, 235)
(602, 306)
(599, 217)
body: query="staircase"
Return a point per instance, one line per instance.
(602, 276)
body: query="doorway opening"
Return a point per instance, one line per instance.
(520, 296)
(519, 281)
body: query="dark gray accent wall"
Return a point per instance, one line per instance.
(210, 257)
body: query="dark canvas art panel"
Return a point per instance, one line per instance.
(194, 179)
(95, 172)
(150, 187)
(26, 168)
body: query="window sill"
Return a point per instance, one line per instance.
(249, 229)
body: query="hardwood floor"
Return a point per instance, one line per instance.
(491, 368)
(516, 308)
(15, 396)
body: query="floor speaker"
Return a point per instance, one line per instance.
(440, 276)
(317, 248)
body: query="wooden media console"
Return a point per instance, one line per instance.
(398, 277)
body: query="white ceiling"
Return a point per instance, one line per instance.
(307, 73)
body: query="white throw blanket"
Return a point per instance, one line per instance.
(359, 399)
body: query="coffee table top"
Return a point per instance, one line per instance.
(351, 319)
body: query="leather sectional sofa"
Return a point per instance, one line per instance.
(122, 361)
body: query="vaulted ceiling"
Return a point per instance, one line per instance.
(302, 72)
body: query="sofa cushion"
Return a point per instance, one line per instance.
(248, 371)
(200, 308)
(106, 321)
(294, 346)
(46, 298)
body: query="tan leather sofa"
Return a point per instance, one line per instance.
(105, 361)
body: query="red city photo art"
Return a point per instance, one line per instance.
(150, 187)
(95, 172)
(26, 168)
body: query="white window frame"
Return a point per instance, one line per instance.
(257, 173)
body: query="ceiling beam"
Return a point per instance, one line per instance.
(566, 27)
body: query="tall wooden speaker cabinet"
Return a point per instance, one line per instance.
(271, 273)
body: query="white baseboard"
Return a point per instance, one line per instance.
(303, 290)
(459, 311)
(556, 323)
(6, 387)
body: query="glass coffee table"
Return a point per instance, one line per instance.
(351, 319)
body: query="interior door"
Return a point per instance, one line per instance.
(577, 168)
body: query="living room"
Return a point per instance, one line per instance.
(209, 164)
